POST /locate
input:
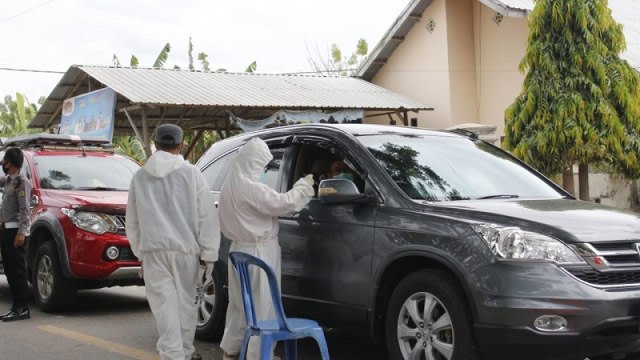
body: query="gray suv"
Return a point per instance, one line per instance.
(443, 246)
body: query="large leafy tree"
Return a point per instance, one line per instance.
(580, 102)
(15, 115)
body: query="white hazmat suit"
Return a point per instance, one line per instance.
(249, 213)
(172, 225)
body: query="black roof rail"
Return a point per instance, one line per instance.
(468, 133)
(56, 139)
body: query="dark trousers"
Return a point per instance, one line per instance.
(15, 268)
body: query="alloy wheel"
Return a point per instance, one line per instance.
(45, 277)
(425, 330)
(206, 298)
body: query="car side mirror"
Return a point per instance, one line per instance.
(340, 191)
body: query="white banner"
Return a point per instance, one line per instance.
(290, 117)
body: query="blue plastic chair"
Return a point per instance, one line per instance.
(279, 329)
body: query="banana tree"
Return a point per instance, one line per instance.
(15, 116)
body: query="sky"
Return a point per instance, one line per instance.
(51, 35)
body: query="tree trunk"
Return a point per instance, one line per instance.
(583, 181)
(567, 180)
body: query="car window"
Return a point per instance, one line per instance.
(324, 160)
(84, 173)
(217, 171)
(440, 168)
(272, 170)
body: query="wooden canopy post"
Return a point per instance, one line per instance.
(145, 132)
(194, 141)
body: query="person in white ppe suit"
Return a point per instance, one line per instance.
(249, 213)
(172, 226)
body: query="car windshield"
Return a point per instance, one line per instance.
(85, 172)
(441, 168)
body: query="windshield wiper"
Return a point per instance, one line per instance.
(101, 188)
(499, 196)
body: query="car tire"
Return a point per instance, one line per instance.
(441, 331)
(52, 291)
(212, 308)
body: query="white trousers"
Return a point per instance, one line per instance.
(235, 324)
(170, 283)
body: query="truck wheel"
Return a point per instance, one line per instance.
(53, 292)
(427, 318)
(212, 308)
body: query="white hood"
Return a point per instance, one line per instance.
(252, 159)
(162, 163)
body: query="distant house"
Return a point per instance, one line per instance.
(462, 56)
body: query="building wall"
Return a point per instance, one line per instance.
(467, 68)
(419, 68)
(462, 69)
(501, 48)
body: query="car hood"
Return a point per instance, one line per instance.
(91, 200)
(570, 220)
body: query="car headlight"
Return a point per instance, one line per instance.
(96, 223)
(513, 243)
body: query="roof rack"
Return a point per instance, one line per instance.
(468, 133)
(56, 140)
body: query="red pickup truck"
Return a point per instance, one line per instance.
(77, 238)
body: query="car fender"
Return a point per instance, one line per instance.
(430, 257)
(47, 222)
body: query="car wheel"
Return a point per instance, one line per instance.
(212, 308)
(427, 319)
(53, 292)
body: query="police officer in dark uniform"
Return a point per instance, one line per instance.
(15, 221)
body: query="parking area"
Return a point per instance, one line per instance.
(116, 324)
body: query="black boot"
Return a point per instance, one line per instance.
(7, 313)
(19, 314)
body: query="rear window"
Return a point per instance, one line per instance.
(85, 172)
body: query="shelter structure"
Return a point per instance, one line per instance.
(199, 101)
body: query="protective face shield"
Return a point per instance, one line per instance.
(344, 175)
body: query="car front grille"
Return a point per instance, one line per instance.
(595, 277)
(613, 263)
(619, 253)
(121, 221)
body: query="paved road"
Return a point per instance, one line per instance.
(116, 324)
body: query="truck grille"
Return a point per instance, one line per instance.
(120, 221)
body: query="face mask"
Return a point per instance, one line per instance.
(346, 176)
(262, 176)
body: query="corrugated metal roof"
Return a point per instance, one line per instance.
(211, 94)
(625, 12)
(179, 87)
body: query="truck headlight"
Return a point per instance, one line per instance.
(513, 243)
(96, 223)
